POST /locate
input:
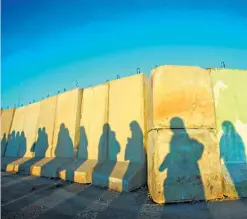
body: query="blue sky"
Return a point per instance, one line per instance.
(48, 45)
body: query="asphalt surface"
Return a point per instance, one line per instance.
(33, 197)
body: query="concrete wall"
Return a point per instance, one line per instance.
(17, 136)
(183, 157)
(93, 128)
(231, 115)
(67, 124)
(45, 127)
(30, 129)
(197, 132)
(185, 92)
(127, 119)
(6, 121)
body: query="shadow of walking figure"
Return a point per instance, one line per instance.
(3, 144)
(22, 145)
(232, 152)
(134, 153)
(101, 176)
(183, 181)
(64, 151)
(64, 146)
(41, 145)
(39, 149)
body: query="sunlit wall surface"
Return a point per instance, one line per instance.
(49, 45)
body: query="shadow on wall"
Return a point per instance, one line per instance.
(183, 173)
(16, 144)
(232, 151)
(111, 153)
(22, 145)
(134, 152)
(39, 148)
(82, 155)
(3, 144)
(183, 181)
(64, 150)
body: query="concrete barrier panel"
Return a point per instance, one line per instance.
(17, 138)
(6, 121)
(185, 92)
(65, 136)
(183, 165)
(231, 116)
(30, 130)
(43, 136)
(125, 169)
(93, 135)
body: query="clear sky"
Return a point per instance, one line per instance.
(49, 44)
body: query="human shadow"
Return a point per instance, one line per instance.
(109, 148)
(22, 144)
(82, 156)
(135, 154)
(183, 181)
(3, 144)
(232, 151)
(12, 146)
(15, 148)
(64, 152)
(39, 149)
(90, 193)
(88, 159)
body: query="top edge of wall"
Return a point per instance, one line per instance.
(129, 76)
(224, 69)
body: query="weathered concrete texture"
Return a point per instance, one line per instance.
(6, 121)
(25, 151)
(93, 136)
(231, 114)
(185, 92)
(126, 137)
(67, 124)
(16, 139)
(65, 135)
(43, 138)
(183, 164)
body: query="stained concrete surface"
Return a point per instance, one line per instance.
(25, 196)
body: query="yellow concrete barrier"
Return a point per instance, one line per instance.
(183, 157)
(185, 92)
(6, 121)
(93, 136)
(231, 115)
(29, 135)
(125, 168)
(41, 136)
(65, 135)
(16, 139)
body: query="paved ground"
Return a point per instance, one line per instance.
(31, 197)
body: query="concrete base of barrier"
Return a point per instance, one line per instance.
(120, 176)
(24, 166)
(6, 161)
(184, 165)
(234, 180)
(80, 171)
(49, 167)
(14, 165)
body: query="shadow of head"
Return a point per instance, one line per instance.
(135, 129)
(228, 127)
(176, 124)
